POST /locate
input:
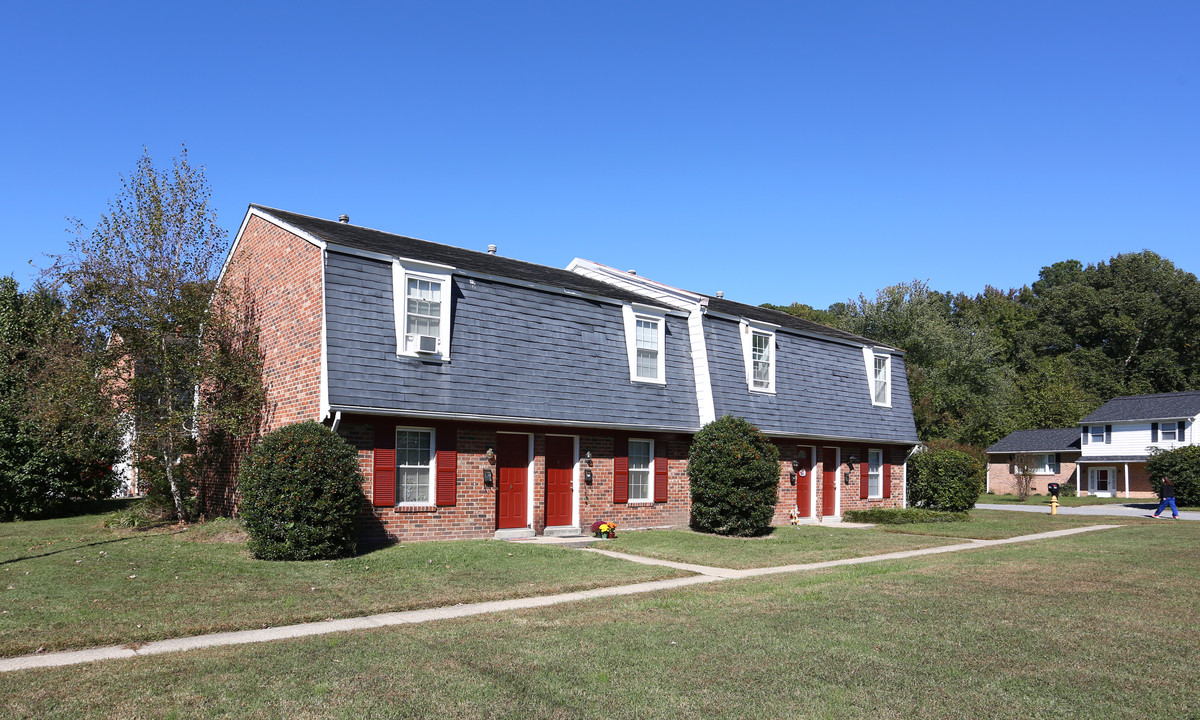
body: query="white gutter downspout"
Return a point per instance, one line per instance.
(904, 474)
(337, 419)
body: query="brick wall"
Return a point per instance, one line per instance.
(1002, 480)
(278, 277)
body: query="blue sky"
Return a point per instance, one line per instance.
(801, 151)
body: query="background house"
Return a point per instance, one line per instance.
(1116, 440)
(493, 397)
(1054, 452)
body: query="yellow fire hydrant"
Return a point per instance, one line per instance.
(1053, 504)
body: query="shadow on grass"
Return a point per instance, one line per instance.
(75, 547)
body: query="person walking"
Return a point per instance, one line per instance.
(1168, 498)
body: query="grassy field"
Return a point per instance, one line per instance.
(784, 546)
(1074, 501)
(1089, 626)
(69, 583)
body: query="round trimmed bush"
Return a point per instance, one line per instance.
(948, 480)
(734, 474)
(1182, 465)
(301, 494)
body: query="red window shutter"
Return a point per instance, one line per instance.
(620, 469)
(887, 476)
(864, 471)
(447, 466)
(660, 470)
(383, 491)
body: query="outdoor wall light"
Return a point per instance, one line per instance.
(587, 476)
(490, 454)
(588, 457)
(796, 465)
(792, 477)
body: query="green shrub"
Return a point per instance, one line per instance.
(301, 494)
(948, 480)
(139, 514)
(1182, 465)
(903, 516)
(734, 473)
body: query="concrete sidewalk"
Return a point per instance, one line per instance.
(704, 574)
(1130, 509)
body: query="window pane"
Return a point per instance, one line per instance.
(881, 384)
(760, 353)
(424, 316)
(647, 364)
(413, 460)
(639, 469)
(875, 473)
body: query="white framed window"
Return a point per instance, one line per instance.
(415, 466)
(875, 473)
(421, 299)
(645, 338)
(879, 376)
(1097, 434)
(641, 470)
(1044, 464)
(1171, 431)
(758, 352)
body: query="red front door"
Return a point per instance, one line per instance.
(829, 485)
(512, 463)
(804, 485)
(560, 466)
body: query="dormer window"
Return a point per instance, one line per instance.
(758, 353)
(645, 337)
(879, 376)
(421, 294)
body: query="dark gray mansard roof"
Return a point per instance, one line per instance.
(1166, 406)
(378, 241)
(1046, 441)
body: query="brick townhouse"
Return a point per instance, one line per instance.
(490, 397)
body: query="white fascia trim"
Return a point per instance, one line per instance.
(510, 420)
(629, 317)
(801, 333)
(401, 270)
(672, 296)
(255, 212)
(539, 286)
(704, 394)
(746, 330)
(323, 412)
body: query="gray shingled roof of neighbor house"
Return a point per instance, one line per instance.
(1046, 441)
(1164, 406)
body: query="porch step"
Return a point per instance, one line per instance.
(562, 531)
(515, 534)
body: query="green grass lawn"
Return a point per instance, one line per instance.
(784, 546)
(1089, 626)
(998, 524)
(1073, 501)
(70, 583)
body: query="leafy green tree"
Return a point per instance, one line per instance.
(1182, 465)
(58, 439)
(955, 376)
(142, 281)
(733, 471)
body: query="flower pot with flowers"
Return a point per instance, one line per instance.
(604, 529)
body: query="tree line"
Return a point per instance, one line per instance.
(1040, 356)
(127, 352)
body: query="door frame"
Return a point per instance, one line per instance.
(837, 481)
(1112, 476)
(574, 480)
(528, 479)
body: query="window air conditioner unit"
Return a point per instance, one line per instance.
(427, 344)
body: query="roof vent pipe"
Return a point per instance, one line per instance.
(720, 294)
(491, 249)
(344, 219)
(632, 272)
